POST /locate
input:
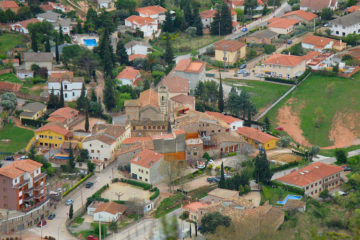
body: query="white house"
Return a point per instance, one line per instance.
(147, 25)
(146, 166)
(65, 24)
(233, 122)
(22, 25)
(317, 43)
(109, 212)
(194, 71)
(101, 147)
(345, 25)
(51, 17)
(57, 6)
(104, 3)
(137, 47)
(129, 76)
(71, 85)
(155, 12)
(207, 17)
(22, 74)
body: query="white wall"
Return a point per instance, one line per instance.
(72, 90)
(338, 30)
(105, 217)
(99, 150)
(137, 49)
(235, 125)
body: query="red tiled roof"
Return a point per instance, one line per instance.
(284, 60)
(316, 41)
(13, 60)
(238, 3)
(149, 97)
(132, 57)
(310, 55)
(208, 14)
(176, 84)
(141, 20)
(10, 87)
(65, 112)
(46, 7)
(282, 23)
(353, 9)
(111, 207)
(4, 5)
(184, 99)
(308, 16)
(128, 73)
(147, 158)
(18, 168)
(151, 10)
(25, 23)
(316, 5)
(195, 206)
(133, 140)
(55, 128)
(225, 118)
(255, 134)
(310, 174)
(186, 65)
(229, 45)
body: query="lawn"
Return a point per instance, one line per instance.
(262, 94)
(183, 43)
(19, 137)
(10, 40)
(274, 194)
(10, 77)
(329, 95)
(168, 205)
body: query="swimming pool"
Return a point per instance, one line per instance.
(288, 197)
(90, 42)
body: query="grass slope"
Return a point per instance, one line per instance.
(10, 40)
(314, 93)
(9, 77)
(19, 137)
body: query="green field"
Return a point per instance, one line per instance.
(329, 95)
(9, 77)
(10, 40)
(19, 138)
(262, 94)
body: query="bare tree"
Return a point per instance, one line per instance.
(172, 170)
(134, 206)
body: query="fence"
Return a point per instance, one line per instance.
(30, 144)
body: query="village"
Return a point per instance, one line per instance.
(207, 119)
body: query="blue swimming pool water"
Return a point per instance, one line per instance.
(90, 42)
(294, 197)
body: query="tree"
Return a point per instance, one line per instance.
(53, 100)
(84, 155)
(336, 68)
(267, 124)
(188, 14)
(81, 102)
(268, 48)
(32, 153)
(168, 25)
(71, 212)
(113, 226)
(314, 151)
(121, 54)
(34, 44)
(126, 4)
(100, 228)
(47, 44)
(79, 27)
(57, 56)
(168, 55)
(169, 228)
(285, 141)
(211, 221)
(61, 102)
(221, 97)
(90, 166)
(262, 172)
(341, 156)
(351, 3)
(61, 35)
(326, 14)
(109, 95)
(105, 53)
(249, 5)
(297, 50)
(319, 117)
(198, 23)
(265, 10)
(222, 176)
(87, 61)
(351, 39)
(71, 158)
(87, 122)
(324, 194)
(215, 24)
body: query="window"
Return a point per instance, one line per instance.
(73, 94)
(102, 146)
(65, 86)
(147, 172)
(146, 180)
(312, 185)
(50, 137)
(65, 95)
(195, 153)
(92, 150)
(98, 151)
(90, 145)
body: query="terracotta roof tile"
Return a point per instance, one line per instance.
(149, 97)
(128, 73)
(225, 118)
(102, 138)
(10, 171)
(208, 14)
(184, 99)
(229, 45)
(111, 207)
(284, 60)
(8, 4)
(353, 9)
(10, 87)
(186, 65)
(282, 23)
(25, 23)
(176, 84)
(141, 20)
(309, 174)
(133, 140)
(316, 41)
(55, 128)
(46, 7)
(310, 55)
(147, 158)
(195, 206)
(317, 5)
(65, 113)
(255, 134)
(308, 16)
(132, 57)
(151, 10)
(18, 168)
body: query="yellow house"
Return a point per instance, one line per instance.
(51, 135)
(258, 138)
(231, 50)
(33, 111)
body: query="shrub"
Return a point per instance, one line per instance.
(145, 186)
(289, 188)
(155, 195)
(272, 79)
(33, 123)
(285, 166)
(77, 184)
(232, 154)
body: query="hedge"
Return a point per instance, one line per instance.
(97, 196)
(34, 123)
(302, 77)
(156, 194)
(77, 184)
(119, 201)
(285, 166)
(289, 188)
(145, 186)
(279, 80)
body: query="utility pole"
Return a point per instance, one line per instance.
(100, 226)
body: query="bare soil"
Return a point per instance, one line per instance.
(286, 158)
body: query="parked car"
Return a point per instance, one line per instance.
(89, 184)
(42, 223)
(289, 42)
(9, 158)
(52, 216)
(244, 29)
(326, 24)
(242, 71)
(91, 237)
(200, 166)
(213, 180)
(242, 66)
(69, 202)
(211, 162)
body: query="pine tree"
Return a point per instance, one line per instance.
(62, 101)
(109, 95)
(71, 158)
(79, 28)
(82, 101)
(146, 84)
(47, 44)
(121, 54)
(61, 35)
(57, 56)
(267, 125)
(168, 25)
(198, 23)
(225, 20)
(222, 176)
(106, 54)
(87, 121)
(262, 172)
(52, 102)
(221, 97)
(168, 55)
(93, 97)
(188, 14)
(71, 212)
(265, 9)
(34, 44)
(215, 24)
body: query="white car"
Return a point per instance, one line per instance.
(200, 166)
(22, 157)
(69, 202)
(211, 162)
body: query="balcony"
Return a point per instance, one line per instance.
(20, 185)
(38, 188)
(29, 198)
(38, 196)
(39, 177)
(28, 191)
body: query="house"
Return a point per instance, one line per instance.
(129, 76)
(175, 85)
(194, 149)
(146, 167)
(282, 66)
(194, 71)
(322, 61)
(220, 194)
(52, 135)
(301, 15)
(237, 4)
(22, 25)
(51, 17)
(101, 147)
(317, 43)
(23, 74)
(225, 143)
(12, 5)
(65, 116)
(22, 185)
(347, 24)
(46, 7)
(282, 25)
(314, 178)
(33, 111)
(258, 138)
(132, 57)
(353, 9)
(172, 145)
(231, 50)
(317, 6)
(207, 17)
(71, 85)
(137, 47)
(262, 37)
(109, 212)
(105, 3)
(64, 24)
(10, 87)
(155, 12)
(147, 25)
(14, 62)
(118, 132)
(42, 59)
(182, 102)
(195, 210)
(234, 123)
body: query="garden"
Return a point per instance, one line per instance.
(13, 138)
(9, 41)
